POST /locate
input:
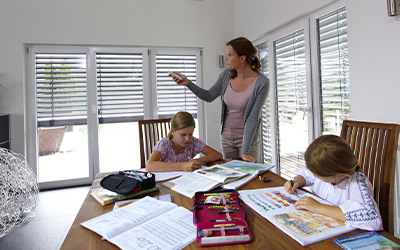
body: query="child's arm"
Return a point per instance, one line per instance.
(210, 155)
(292, 185)
(314, 206)
(155, 165)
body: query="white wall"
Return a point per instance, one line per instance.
(177, 23)
(374, 57)
(255, 18)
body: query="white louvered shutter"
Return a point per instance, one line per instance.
(119, 87)
(291, 95)
(171, 97)
(61, 89)
(266, 109)
(334, 71)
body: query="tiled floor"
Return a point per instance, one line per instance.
(54, 214)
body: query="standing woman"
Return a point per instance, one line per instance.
(243, 91)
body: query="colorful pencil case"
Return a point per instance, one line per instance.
(220, 218)
(128, 181)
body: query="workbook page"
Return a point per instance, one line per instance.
(172, 230)
(118, 221)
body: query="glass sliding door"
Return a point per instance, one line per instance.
(120, 105)
(292, 93)
(61, 114)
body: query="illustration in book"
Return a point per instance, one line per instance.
(252, 169)
(277, 206)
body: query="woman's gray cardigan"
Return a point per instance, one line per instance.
(252, 115)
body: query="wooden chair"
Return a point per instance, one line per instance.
(150, 132)
(375, 145)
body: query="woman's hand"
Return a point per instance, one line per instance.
(309, 204)
(184, 80)
(190, 165)
(249, 158)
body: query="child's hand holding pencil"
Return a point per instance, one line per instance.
(291, 186)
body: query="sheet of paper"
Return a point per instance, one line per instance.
(118, 221)
(162, 176)
(172, 230)
(120, 204)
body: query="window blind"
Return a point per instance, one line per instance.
(291, 95)
(266, 109)
(61, 89)
(171, 97)
(119, 87)
(334, 71)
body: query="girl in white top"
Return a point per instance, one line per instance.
(333, 170)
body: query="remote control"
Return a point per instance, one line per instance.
(175, 75)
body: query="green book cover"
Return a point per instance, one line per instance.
(105, 197)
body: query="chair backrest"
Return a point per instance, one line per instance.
(375, 146)
(150, 132)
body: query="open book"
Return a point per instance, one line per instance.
(148, 223)
(277, 206)
(204, 179)
(253, 169)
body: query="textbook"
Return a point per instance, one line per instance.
(105, 197)
(253, 170)
(277, 206)
(366, 241)
(204, 179)
(146, 224)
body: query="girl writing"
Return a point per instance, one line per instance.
(333, 170)
(175, 153)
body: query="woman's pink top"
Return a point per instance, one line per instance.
(236, 103)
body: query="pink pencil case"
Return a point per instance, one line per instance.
(220, 218)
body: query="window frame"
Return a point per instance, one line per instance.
(150, 98)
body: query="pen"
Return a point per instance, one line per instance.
(229, 211)
(209, 231)
(266, 180)
(292, 183)
(221, 220)
(133, 177)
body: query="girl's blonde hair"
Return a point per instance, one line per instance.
(330, 155)
(180, 121)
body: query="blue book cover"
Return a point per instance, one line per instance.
(366, 241)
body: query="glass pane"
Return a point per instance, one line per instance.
(292, 102)
(119, 146)
(63, 153)
(266, 119)
(171, 97)
(62, 116)
(334, 71)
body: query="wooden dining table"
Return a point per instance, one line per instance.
(265, 234)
